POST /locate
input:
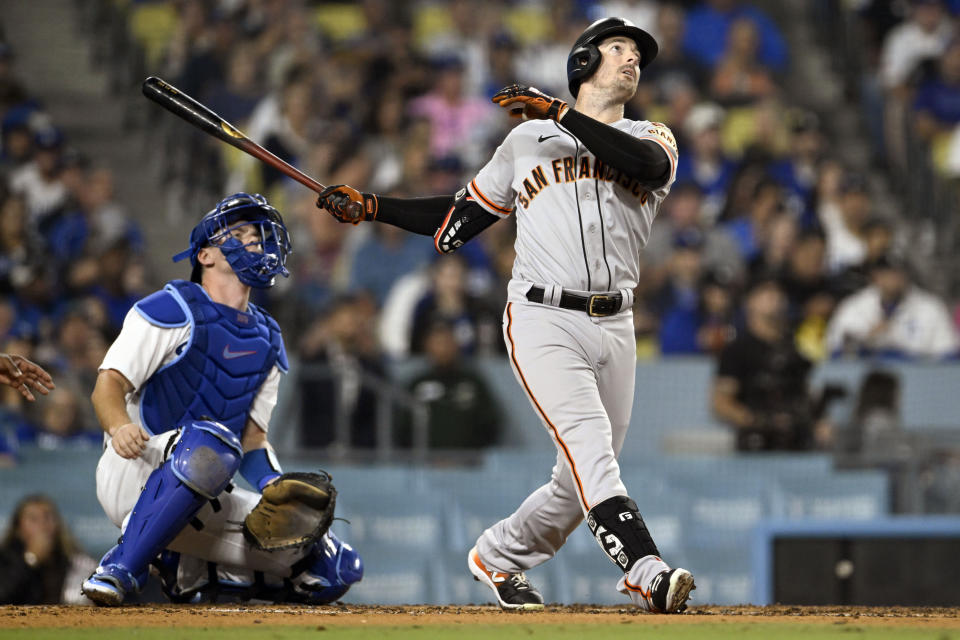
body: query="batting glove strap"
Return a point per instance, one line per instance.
(530, 103)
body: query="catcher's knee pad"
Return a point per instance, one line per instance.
(206, 457)
(619, 529)
(327, 572)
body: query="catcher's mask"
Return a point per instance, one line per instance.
(256, 269)
(585, 57)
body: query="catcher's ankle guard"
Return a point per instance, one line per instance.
(619, 529)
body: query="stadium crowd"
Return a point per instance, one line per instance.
(394, 98)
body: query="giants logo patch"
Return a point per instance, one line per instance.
(610, 543)
(663, 132)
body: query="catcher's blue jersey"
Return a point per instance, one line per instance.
(219, 371)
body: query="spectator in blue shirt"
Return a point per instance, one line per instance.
(937, 105)
(704, 162)
(709, 22)
(386, 255)
(678, 300)
(798, 172)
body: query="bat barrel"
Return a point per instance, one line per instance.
(182, 105)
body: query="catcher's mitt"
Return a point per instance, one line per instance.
(296, 509)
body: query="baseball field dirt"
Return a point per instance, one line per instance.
(239, 622)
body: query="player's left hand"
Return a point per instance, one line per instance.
(24, 376)
(530, 103)
(295, 509)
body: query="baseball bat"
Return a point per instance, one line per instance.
(182, 105)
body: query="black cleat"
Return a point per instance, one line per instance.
(670, 590)
(513, 590)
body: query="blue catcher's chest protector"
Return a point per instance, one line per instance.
(220, 369)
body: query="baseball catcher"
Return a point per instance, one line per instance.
(184, 396)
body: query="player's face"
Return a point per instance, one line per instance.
(36, 520)
(213, 259)
(620, 66)
(248, 235)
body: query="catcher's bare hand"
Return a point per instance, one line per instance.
(129, 440)
(24, 376)
(346, 204)
(530, 103)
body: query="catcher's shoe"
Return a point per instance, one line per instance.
(513, 590)
(109, 585)
(670, 590)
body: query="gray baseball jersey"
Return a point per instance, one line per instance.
(580, 227)
(580, 224)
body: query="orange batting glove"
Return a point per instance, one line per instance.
(530, 103)
(346, 204)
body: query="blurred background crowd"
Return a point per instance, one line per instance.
(812, 218)
(794, 233)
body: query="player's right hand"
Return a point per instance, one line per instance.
(129, 440)
(346, 204)
(26, 377)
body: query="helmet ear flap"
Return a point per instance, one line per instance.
(581, 64)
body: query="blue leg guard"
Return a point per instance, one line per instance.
(327, 572)
(204, 460)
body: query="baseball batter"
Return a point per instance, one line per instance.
(185, 395)
(585, 184)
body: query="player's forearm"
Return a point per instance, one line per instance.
(109, 401)
(418, 215)
(259, 465)
(641, 159)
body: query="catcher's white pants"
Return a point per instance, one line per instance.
(578, 373)
(221, 540)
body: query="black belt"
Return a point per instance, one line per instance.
(598, 305)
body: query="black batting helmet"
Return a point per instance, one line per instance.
(585, 57)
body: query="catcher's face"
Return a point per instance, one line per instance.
(248, 235)
(619, 67)
(213, 259)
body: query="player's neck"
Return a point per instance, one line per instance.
(232, 293)
(599, 107)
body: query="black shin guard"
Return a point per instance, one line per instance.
(619, 529)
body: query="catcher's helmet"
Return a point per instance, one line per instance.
(584, 57)
(255, 269)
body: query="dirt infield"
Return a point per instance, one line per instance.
(37, 617)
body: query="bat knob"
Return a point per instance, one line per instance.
(354, 212)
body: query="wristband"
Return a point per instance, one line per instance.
(259, 466)
(114, 431)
